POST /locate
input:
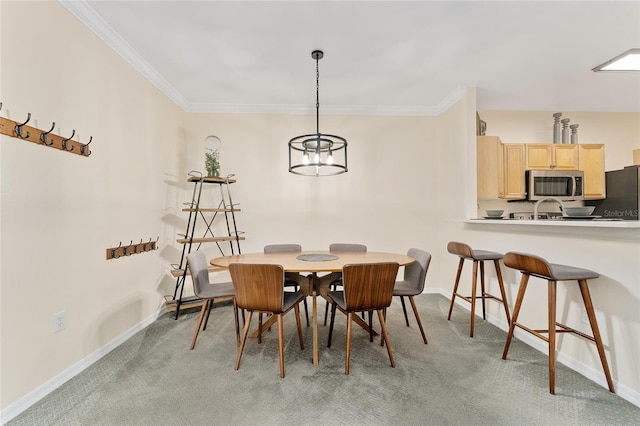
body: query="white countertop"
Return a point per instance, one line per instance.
(632, 224)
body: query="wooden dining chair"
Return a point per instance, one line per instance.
(367, 287)
(334, 279)
(413, 284)
(291, 279)
(208, 292)
(260, 288)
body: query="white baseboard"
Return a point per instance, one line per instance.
(40, 392)
(597, 376)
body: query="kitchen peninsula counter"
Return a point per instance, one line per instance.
(609, 247)
(628, 224)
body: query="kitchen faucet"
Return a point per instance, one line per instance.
(535, 208)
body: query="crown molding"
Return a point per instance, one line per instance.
(85, 14)
(327, 109)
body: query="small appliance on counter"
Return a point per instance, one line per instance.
(623, 195)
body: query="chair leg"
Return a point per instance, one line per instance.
(384, 314)
(370, 326)
(333, 317)
(383, 326)
(552, 337)
(496, 263)
(516, 312)
(455, 287)
(348, 354)
(326, 312)
(260, 327)
(296, 310)
(474, 283)
(204, 309)
(483, 292)
(415, 312)
(206, 318)
(281, 343)
(404, 309)
(237, 322)
(306, 311)
(333, 287)
(588, 304)
(245, 332)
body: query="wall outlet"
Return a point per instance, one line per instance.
(59, 322)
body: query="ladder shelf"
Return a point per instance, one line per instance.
(201, 221)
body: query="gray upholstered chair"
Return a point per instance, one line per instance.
(413, 283)
(206, 291)
(367, 287)
(291, 279)
(260, 288)
(335, 278)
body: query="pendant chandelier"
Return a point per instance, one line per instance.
(318, 154)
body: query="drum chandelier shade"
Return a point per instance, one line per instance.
(318, 154)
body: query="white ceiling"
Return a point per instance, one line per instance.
(386, 57)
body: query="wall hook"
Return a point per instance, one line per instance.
(114, 251)
(43, 135)
(64, 141)
(19, 128)
(86, 147)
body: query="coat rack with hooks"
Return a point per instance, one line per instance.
(128, 250)
(20, 130)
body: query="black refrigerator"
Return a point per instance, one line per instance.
(623, 195)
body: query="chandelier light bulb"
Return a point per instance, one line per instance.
(330, 158)
(316, 158)
(305, 158)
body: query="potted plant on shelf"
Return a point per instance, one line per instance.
(212, 162)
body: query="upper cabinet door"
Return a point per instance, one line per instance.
(592, 163)
(565, 157)
(539, 156)
(513, 172)
(551, 157)
(489, 164)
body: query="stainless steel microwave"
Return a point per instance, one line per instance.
(567, 185)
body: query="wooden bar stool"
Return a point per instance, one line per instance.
(531, 265)
(478, 257)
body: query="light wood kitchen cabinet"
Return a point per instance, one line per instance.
(500, 169)
(552, 157)
(592, 164)
(514, 176)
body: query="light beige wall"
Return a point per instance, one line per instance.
(620, 132)
(389, 186)
(59, 211)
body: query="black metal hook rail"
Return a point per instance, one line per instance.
(131, 248)
(20, 130)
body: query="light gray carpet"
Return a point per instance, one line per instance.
(154, 379)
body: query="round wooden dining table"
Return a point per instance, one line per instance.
(313, 262)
